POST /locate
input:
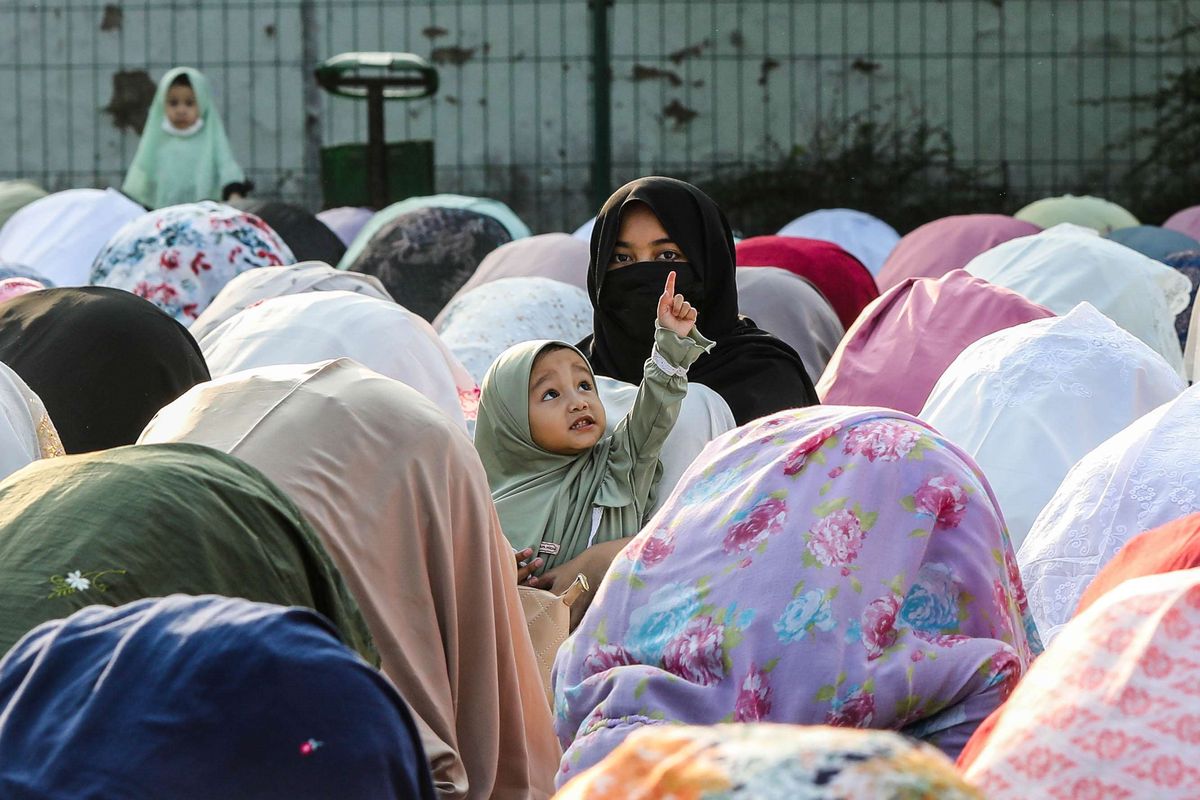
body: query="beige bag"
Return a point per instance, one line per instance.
(548, 617)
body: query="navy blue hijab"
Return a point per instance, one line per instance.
(200, 697)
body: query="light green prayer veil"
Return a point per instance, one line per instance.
(15, 195)
(170, 169)
(480, 205)
(120, 525)
(1086, 211)
(539, 495)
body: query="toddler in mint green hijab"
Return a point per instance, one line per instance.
(184, 155)
(559, 483)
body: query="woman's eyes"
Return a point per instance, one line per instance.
(621, 258)
(668, 255)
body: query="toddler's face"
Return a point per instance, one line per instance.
(565, 412)
(182, 111)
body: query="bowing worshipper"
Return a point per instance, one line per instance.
(1102, 216)
(184, 155)
(397, 495)
(794, 310)
(1167, 548)
(306, 236)
(839, 276)
(60, 235)
(557, 256)
(1144, 476)
(1028, 402)
(1153, 241)
(486, 206)
(864, 236)
(424, 256)
(264, 283)
(831, 565)
(179, 258)
(900, 345)
(201, 697)
(1185, 221)
(482, 323)
(134, 522)
(1109, 710)
(346, 221)
(15, 287)
(655, 225)
(318, 326)
(102, 360)
(947, 244)
(568, 494)
(15, 195)
(26, 430)
(1067, 265)
(761, 761)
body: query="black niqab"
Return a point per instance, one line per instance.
(102, 360)
(756, 373)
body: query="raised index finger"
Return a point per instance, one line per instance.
(669, 289)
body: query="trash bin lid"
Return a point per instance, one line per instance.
(403, 76)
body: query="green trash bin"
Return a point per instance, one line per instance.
(377, 173)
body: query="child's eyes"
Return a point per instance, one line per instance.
(550, 395)
(587, 387)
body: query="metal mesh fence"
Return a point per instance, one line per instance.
(1029, 92)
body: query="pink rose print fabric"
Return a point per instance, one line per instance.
(832, 565)
(1111, 710)
(180, 257)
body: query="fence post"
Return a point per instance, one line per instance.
(310, 55)
(601, 178)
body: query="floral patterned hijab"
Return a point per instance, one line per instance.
(844, 566)
(770, 762)
(180, 257)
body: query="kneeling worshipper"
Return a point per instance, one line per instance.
(424, 254)
(102, 360)
(180, 257)
(59, 236)
(1102, 216)
(793, 309)
(1153, 241)
(399, 498)
(1110, 709)
(1167, 548)
(557, 256)
(840, 277)
(947, 244)
(1067, 265)
(1186, 221)
(255, 285)
(759, 761)
(26, 431)
(317, 326)
(1028, 402)
(306, 236)
(15, 195)
(482, 323)
(345, 221)
(903, 342)
(1144, 476)
(134, 522)
(652, 226)
(840, 566)
(201, 697)
(864, 236)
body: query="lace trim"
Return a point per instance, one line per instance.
(661, 362)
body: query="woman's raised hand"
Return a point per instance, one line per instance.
(674, 313)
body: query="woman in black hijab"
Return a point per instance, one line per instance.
(103, 361)
(755, 372)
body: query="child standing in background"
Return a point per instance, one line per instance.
(184, 155)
